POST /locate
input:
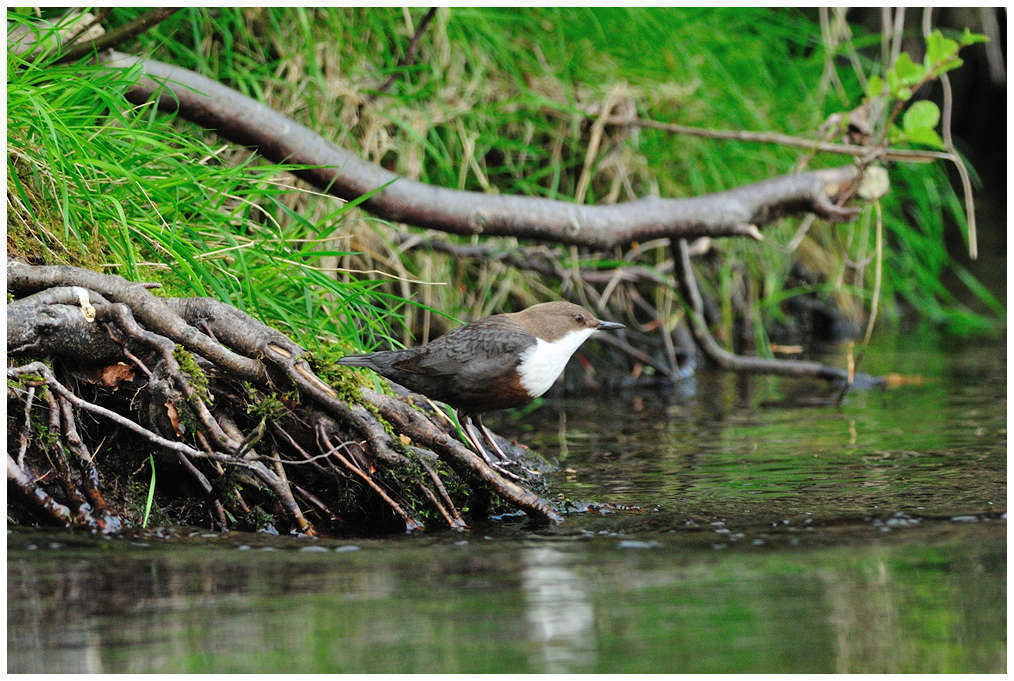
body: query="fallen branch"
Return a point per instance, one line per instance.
(735, 212)
(119, 35)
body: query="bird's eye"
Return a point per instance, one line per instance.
(579, 318)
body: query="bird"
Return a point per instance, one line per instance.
(498, 362)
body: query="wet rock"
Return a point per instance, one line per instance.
(964, 519)
(635, 544)
(900, 519)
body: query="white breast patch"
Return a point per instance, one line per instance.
(543, 363)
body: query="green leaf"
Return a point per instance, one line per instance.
(922, 114)
(903, 75)
(927, 136)
(908, 72)
(874, 87)
(939, 50)
(896, 135)
(969, 38)
(954, 63)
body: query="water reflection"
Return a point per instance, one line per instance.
(769, 539)
(560, 616)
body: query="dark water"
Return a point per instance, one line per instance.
(747, 530)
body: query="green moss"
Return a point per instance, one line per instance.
(258, 519)
(195, 376)
(349, 381)
(265, 405)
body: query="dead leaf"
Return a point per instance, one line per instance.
(115, 374)
(897, 380)
(786, 349)
(174, 417)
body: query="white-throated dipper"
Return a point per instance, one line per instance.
(499, 362)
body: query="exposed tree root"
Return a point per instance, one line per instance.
(228, 403)
(733, 362)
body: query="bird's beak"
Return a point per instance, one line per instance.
(607, 326)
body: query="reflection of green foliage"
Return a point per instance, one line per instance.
(560, 605)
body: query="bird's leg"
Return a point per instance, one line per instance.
(466, 425)
(505, 460)
(489, 438)
(464, 421)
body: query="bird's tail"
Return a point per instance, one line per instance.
(356, 360)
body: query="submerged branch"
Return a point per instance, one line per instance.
(733, 362)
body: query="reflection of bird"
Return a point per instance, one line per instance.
(499, 362)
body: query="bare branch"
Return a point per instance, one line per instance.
(341, 173)
(409, 55)
(119, 35)
(886, 153)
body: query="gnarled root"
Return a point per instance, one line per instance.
(243, 428)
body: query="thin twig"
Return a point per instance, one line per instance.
(59, 460)
(436, 504)
(438, 483)
(887, 153)
(121, 34)
(899, 31)
(411, 524)
(26, 429)
(731, 361)
(315, 502)
(406, 58)
(876, 274)
(945, 126)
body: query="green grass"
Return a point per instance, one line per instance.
(151, 492)
(98, 182)
(498, 99)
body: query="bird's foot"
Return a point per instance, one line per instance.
(501, 468)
